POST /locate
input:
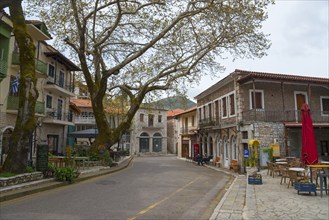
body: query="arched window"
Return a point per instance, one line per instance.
(144, 143)
(234, 148)
(157, 142)
(211, 147)
(225, 147)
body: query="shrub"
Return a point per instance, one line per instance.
(29, 169)
(66, 174)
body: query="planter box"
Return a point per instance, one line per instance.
(254, 180)
(305, 187)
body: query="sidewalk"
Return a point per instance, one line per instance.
(271, 200)
(15, 191)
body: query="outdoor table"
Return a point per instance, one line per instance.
(281, 160)
(317, 166)
(297, 169)
(282, 163)
(324, 162)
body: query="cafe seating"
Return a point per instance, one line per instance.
(284, 174)
(276, 169)
(294, 177)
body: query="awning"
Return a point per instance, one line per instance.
(254, 142)
(88, 133)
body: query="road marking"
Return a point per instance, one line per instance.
(164, 199)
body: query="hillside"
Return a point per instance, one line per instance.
(172, 103)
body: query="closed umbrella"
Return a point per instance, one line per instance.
(309, 151)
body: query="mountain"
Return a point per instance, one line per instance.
(171, 103)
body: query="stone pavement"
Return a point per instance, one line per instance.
(271, 201)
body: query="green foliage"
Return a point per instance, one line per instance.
(93, 153)
(80, 151)
(66, 174)
(251, 161)
(105, 157)
(29, 169)
(7, 174)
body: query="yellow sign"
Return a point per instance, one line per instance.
(276, 150)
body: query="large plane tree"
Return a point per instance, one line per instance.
(19, 141)
(142, 46)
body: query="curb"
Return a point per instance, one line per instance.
(54, 184)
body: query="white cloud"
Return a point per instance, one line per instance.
(299, 35)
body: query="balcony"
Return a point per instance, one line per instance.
(3, 68)
(188, 130)
(12, 105)
(282, 116)
(40, 67)
(84, 120)
(59, 88)
(57, 117)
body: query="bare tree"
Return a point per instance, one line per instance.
(19, 141)
(143, 46)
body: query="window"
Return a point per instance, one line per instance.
(141, 117)
(159, 118)
(232, 104)
(49, 100)
(259, 97)
(51, 71)
(210, 111)
(224, 107)
(61, 79)
(324, 105)
(193, 119)
(151, 120)
(59, 109)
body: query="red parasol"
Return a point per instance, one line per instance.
(309, 151)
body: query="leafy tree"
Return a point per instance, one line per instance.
(16, 160)
(144, 46)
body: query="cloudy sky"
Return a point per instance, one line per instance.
(299, 34)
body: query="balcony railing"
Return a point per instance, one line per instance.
(266, 116)
(12, 104)
(39, 65)
(61, 84)
(282, 116)
(85, 119)
(188, 130)
(58, 115)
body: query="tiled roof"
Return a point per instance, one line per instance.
(174, 112)
(82, 102)
(281, 77)
(187, 111)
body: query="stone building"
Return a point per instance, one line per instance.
(247, 105)
(149, 132)
(55, 75)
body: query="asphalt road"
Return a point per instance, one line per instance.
(151, 188)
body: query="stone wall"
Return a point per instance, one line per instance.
(266, 132)
(21, 178)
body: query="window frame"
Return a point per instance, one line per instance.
(251, 98)
(51, 101)
(53, 73)
(321, 103)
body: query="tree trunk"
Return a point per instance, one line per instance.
(19, 142)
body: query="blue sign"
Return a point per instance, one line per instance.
(246, 153)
